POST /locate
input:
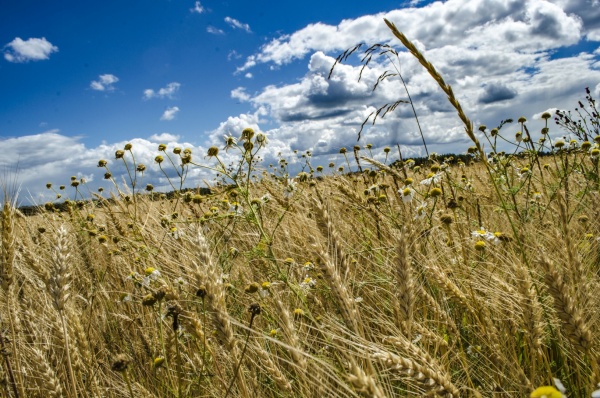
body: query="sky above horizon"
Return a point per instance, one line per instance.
(79, 80)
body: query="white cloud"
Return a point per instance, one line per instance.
(248, 75)
(197, 8)
(165, 92)
(164, 137)
(531, 26)
(214, 31)
(499, 57)
(169, 113)
(104, 83)
(49, 161)
(234, 23)
(240, 94)
(32, 49)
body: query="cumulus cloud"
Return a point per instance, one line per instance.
(169, 113)
(496, 92)
(165, 92)
(164, 137)
(531, 26)
(53, 158)
(33, 49)
(499, 56)
(104, 83)
(198, 8)
(234, 23)
(240, 94)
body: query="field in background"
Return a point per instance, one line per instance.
(451, 278)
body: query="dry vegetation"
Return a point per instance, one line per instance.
(444, 279)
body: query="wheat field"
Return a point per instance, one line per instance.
(444, 276)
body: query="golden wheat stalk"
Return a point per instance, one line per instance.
(440, 81)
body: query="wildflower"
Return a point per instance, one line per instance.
(559, 144)
(432, 179)
(435, 192)
(274, 332)
(298, 313)
(421, 211)
(536, 195)
(594, 153)
(261, 139)
(290, 188)
(358, 300)
(125, 298)
(235, 208)
(247, 134)
(149, 300)
(586, 145)
(387, 149)
(479, 245)
(308, 282)
(519, 136)
(407, 194)
(549, 391)
(482, 233)
(119, 154)
(141, 167)
(266, 198)
(229, 141)
(409, 163)
(446, 219)
(213, 151)
(159, 159)
(152, 274)
(308, 266)
(289, 261)
(179, 281)
(158, 362)
(252, 288)
(473, 350)
(524, 172)
(101, 163)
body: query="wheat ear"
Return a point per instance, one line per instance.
(430, 380)
(440, 81)
(58, 286)
(573, 323)
(46, 378)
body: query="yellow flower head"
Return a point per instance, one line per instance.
(546, 392)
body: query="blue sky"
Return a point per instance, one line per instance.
(78, 80)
